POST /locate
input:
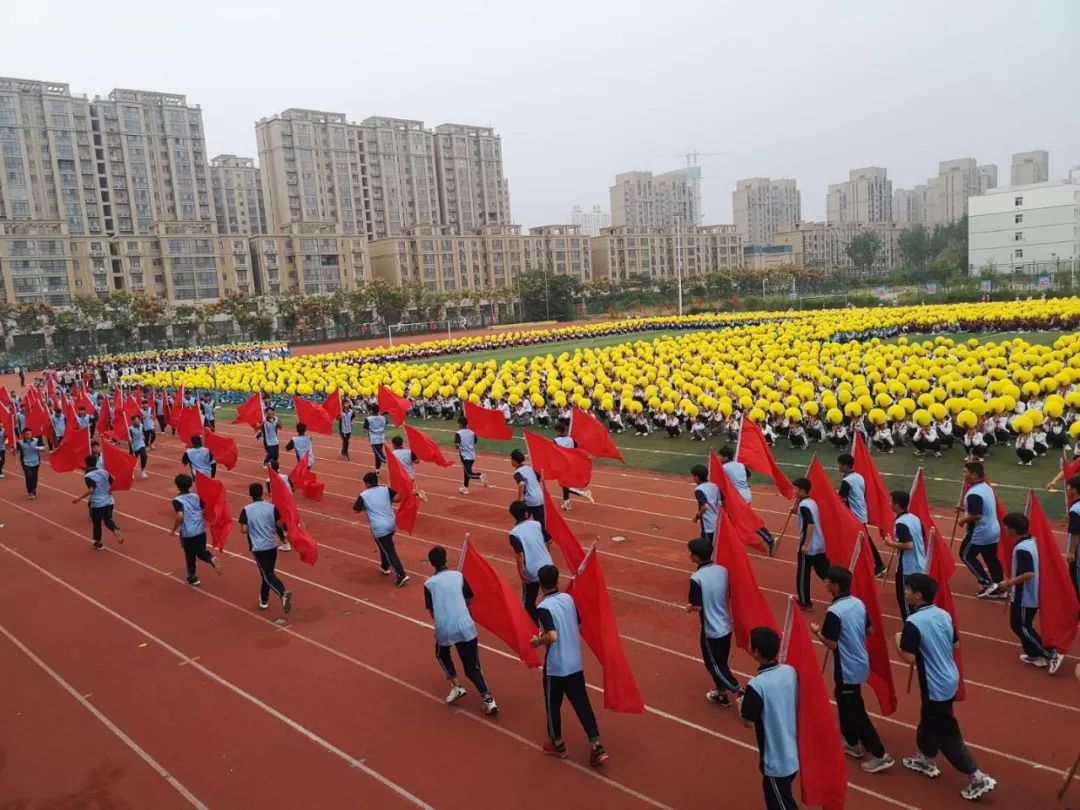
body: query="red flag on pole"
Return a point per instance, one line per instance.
(119, 464)
(590, 594)
(864, 586)
(189, 423)
(570, 466)
(7, 414)
(166, 408)
(496, 607)
(745, 521)
(37, 419)
(83, 401)
(1058, 606)
(251, 412)
(222, 448)
(67, 407)
(72, 452)
(561, 535)
(487, 423)
(839, 527)
(5, 398)
(424, 447)
(215, 509)
(120, 427)
(178, 400)
(748, 606)
(332, 405)
(282, 498)
(398, 407)
(753, 451)
(1069, 469)
(304, 480)
(822, 770)
(132, 407)
(878, 502)
(591, 436)
(313, 415)
(400, 482)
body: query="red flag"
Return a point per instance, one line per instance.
(119, 464)
(282, 498)
(251, 412)
(313, 415)
(37, 419)
(189, 423)
(398, 407)
(403, 485)
(745, 521)
(1069, 469)
(487, 423)
(5, 399)
(748, 606)
(590, 594)
(332, 405)
(878, 502)
(864, 586)
(753, 451)
(120, 427)
(561, 535)
(496, 607)
(72, 452)
(83, 401)
(166, 408)
(822, 770)
(1058, 606)
(570, 466)
(424, 447)
(10, 426)
(591, 436)
(222, 448)
(304, 480)
(215, 508)
(50, 388)
(178, 400)
(940, 564)
(838, 526)
(67, 407)
(132, 408)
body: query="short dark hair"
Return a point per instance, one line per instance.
(255, 490)
(802, 483)
(726, 452)
(518, 510)
(766, 641)
(976, 468)
(517, 455)
(196, 441)
(548, 576)
(301, 428)
(371, 479)
(1017, 522)
(437, 557)
(922, 584)
(373, 408)
(90, 462)
(900, 498)
(1074, 482)
(463, 422)
(839, 575)
(846, 459)
(275, 465)
(397, 441)
(183, 482)
(700, 548)
(560, 428)
(700, 472)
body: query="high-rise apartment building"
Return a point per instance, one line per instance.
(309, 258)
(642, 200)
(943, 200)
(471, 184)
(866, 196)
(1030, 167)
(238, 196)
(824, 246)
(762, 207)
(906, 206)
(399, 155)
(590, 221)
(621, 252)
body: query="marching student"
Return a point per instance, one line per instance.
(563, 440)
(159, 409)
(199, 458)
(407, 458)
(981, 531)
(447, 596)
(465, 440)
(909, 541)
(137, 443)
(259, 521)
(275, 469)
(59, 426)
(811, 543)
(529, 540)
(1072, 542)
(563, 674)
(844, 633)
(85, 420)
(740, 477)
(377, 501)
(709, 599)
(375, 425)
(208, 407)
(345, 426)
(191, 525)
(268, 432)
(30, 449)
(101, 503)
(1024, 596)
(769, 705)
(301, 443)
(529, 488)
(146, 420)
(707, 499)
(853, 494)
(927, 641)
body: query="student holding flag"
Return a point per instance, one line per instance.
(188, 508)
(375, 425)
(529, 541)
(137, 443)
(709, 599)
(927, 642)
(99, 491)
(568, 442)
(982, 533)
(853, 494)
(30, 449)
(909, 545)
(529, 488)
(811, 543)
(447, 596)
(259, 521)
(275, 469)
(301, 443)
(563, 668)
(149, 434)
(407, 458)
(740, 477)
(844, 634)
(199, 458)
(268, 432)
(707, 499)
(378, 502)
(345, 426)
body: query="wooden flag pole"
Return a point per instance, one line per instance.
(780, 537)
(1069, 777)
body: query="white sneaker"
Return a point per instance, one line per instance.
(483, 479)
(854, 751)
(285, 547)
(263, 605)
(589, 496)
(463, 490)
(566, 506)
(1037, 662)
(490, 708)
(456, 694)
(1055, 662)
(421, 495)
(980, 785)
(877, 764)
(920, 764)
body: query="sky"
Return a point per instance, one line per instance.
(580, 91)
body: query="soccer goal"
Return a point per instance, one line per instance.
(426, 327)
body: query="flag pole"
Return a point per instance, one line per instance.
(1069, 777)
(783, 531)
(785, 639)
(956, 519)
(464, 548)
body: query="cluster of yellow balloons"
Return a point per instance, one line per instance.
(783, 364)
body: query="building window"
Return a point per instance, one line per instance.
(1018, 201)
(1019, 254)
(1018, 236)
(1018, 218)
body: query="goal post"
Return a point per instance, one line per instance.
(421, 327)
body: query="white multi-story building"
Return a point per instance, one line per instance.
(590, 221)
(472, 187)
(1030, 167)
(642, 200)
(1029, 229)
(762, 207)
(238, 196)
(866, 196)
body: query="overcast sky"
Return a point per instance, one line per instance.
(582, 90)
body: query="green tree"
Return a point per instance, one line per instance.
(62, 324)
(423, 301)
(290, 310)
(390, 301)
(7, 321)
(863, 251)
(120, 312)
(547, 296)
(915, 245)
(31, 317)
(358, 304)
(151, 312)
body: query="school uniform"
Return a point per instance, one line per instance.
(563, 669)
(301, 445)
(1071, 543)
(770, 703)
(530, 539)
(261, 519)
(709, 592)
(375, 426)
(192, 532)
(465, 440)
(740, 477)
(345, 429)
(707, 495)
(446, 596)
(138, 445)
(811, 550)
(566, 441)
(377, 503)
(208, 407)
(1025, 599)
(406, 458)
(30, 458)
(981, 539)
(148, 426)
(908, 529)
(200, 460)
(101, 502)
(534, 493)
(853, 494)
(847, 625)
(269, 433)
(159, 411)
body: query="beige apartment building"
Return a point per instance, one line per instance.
(642, 200)
(619, 252)
(866, 196)
(236, 184)
(1029, 168)
(472, 187)
(309, 258)
(763, 206)
(824, 245)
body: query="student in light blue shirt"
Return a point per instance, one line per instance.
(378, 503)
(811, 555)
(190, 522)
(844, 632)
(707, 498)
(259, 521)
(345, 426)
(149, 433)
(927, 641)
(853, 494)
(301, 444)
(137, 443)
(30, 449)
(269, 435)
(529, 541)
(910, 545)
(982, 533)
(447, 596)
(563, 674)
(375, 425)
(1024, 605)
(199, 458)
(99, 492)
(770, 705)
(529, 488)
(740, 477)
(407, 458)
(709, 599)
(465, 440)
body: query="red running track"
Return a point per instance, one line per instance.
(174, 696)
